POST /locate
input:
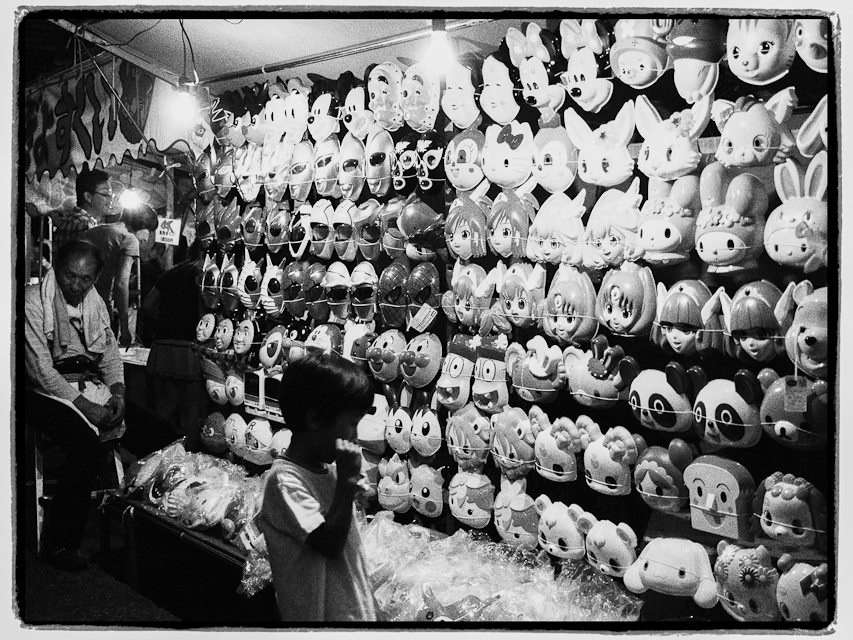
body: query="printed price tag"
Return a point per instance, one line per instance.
(251, 537)
(168, 231)
(423, 318)
(796, 395)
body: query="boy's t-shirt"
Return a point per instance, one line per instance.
(310, 587)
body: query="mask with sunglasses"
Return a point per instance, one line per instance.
(203, 178)
(314, 293)
(206, 223)
(344, 235)
(423, 288)
(326, 338)
(210, 283)
(405, 171)
(383, 356)
(277, 227)
(384, 95)
(292, 277)
(327, 158)
(301, 172)
(271, 298)
(299, 236)
(351, 175)
(381, 159)
(229, 232)
(322, 214)
(420, 97)
(229, 297)
(393, 297)
(252, 226)
(249, 283)
(367, 229)
(337, 284)
(357, 118)
(393, 240)
(224, 176)
(364, 289)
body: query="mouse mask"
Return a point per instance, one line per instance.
(357, 118)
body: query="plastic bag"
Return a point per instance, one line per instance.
(257, 573)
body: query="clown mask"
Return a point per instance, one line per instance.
(420, 97)
(384, 88)
(381, 158)
(351, 174)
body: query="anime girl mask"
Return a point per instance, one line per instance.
(249, 283)
(465, 229)
(271, 299)
(351, 173)
(368, 229)
(292, 278)
(384, 90)
(343, 230)
(405, 170)
(252, 224)
(229, 232)
(299, 234)
(337, 284)
(420, 97)
(760, 50)
(423, 288)
(327, 163)
(322, 214)
(301, 171)
(357, 118)
(277, 228)
(228, 296)
(497, 100)
(430, 168)
(314, 293)
(509, 224)
(363, 290)
(381, 160)
(209, 283)
(627, 301)
(458, 101)
(463, 159)
(393, 294)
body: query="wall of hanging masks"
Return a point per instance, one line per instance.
(593, 279)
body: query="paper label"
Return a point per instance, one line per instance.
(796, 395)
(251, 537)
(168, 231)
(425, 316)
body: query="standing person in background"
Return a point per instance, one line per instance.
(119, 248)
(94, 200)
(141, 221)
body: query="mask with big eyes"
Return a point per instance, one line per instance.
(327, 158)
(364, 287)
(203, 178)
(463, 159)
(299, 235)
(229, 232)
(380, 160)
(271, 297)
(367, 229)
(393, 295)
(323, 121)
(209, 283)
(292, 278)
(272, 352)
(224, 178)
(343, 230)
(420, 97)
(357, 119)
(383, 355)
(244, 337)
(726, 412)
(430, 168)
(314, 294)
(253, 226)
(206, 223)
(406, 168)
(301, 171)
(556, 157)
(351, 174)
(393, 240)
(420, 363)
(337, 283)
(422, 287)
(662, 400)
(458, 101)
(228, 294)
(383, 90)
(321, 229)
(224, 334)
(327, 338)
(205, 328)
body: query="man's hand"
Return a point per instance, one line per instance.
(125, 339)
(115, 405)
(348, 460)
(96, 414)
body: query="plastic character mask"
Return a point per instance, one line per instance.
(224, 334)
(367, 229)
(603, 159)
(659, 476)
(663, 400)
(556, 158)
(755, 133)
(203, 178)
(258, 440)
(509, 224)
(746, 582)
(342, 224)
(393, 294)
(357, 340)
(214, 382)
(797, 230)
(801, 592)
(271, 298)
(608, 457)
(420, 95)
(384, 95)
(393, 240)
(205, 328)
(490, 391)
(252, 225)
(423, 290)
(426, 489)
(314, 293)
(557, 235)
(521, 294)
(509, 154)
(371, 428)
(558, 534)
(588, 78)
(611, 229)
(272, 352)
(365, 285)
(799, 429)
(275, 166)
(422, 227)
(638, 57)
(383, 356)
(807, 339)
(465, 229)
(535, 54)
(696, 46)
(292, 278)
(235, 434)
(610, 548)
(554, 448)
(667, 225)
(326, 338)
(277, 228)
(538, 372)
(760, 50)
(626, 303)
(337, 284)
(398, 430)
(249, 170)
(516, 518)
(512, 443)
(235, 388)
(406, 168)
(381, 160)
(228, 232)
(468, 436)
(327, 162)
(213, 434)
(300, 233)
(471, 499)
(357, 118)
(351, 175)
(246, 336)
(601, 376)
(463, 159)
(793, 512)
(453, 388)
(730, 226)
(301, 172)
(229, 297)
(497, 99)
(725, 413)
(458, 100)
(420, 362)
(296, 110)
(679, 318)
(322, 214)
(206, 223)
(811, 36)
(756, 319)
(569, 315)
(210, 283)
(323, 121)
(467, 301)
(431, 176)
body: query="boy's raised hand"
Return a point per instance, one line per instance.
(348, 460)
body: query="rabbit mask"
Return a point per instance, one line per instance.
(604, 159)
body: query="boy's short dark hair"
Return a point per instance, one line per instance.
(140, 217)
(88, 181)
(327, 383)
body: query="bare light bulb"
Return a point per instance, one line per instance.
(439, 54)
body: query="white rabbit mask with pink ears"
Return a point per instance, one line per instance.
(603, 159)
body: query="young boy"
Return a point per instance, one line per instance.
(315, 550)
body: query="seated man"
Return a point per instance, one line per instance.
(75, 390)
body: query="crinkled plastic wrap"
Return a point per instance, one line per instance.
(468, 577)
(256, 573)
(148, 471)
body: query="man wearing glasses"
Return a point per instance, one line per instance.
(119, 247)
(72, 224)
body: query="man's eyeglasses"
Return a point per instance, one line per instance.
(108, 195)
